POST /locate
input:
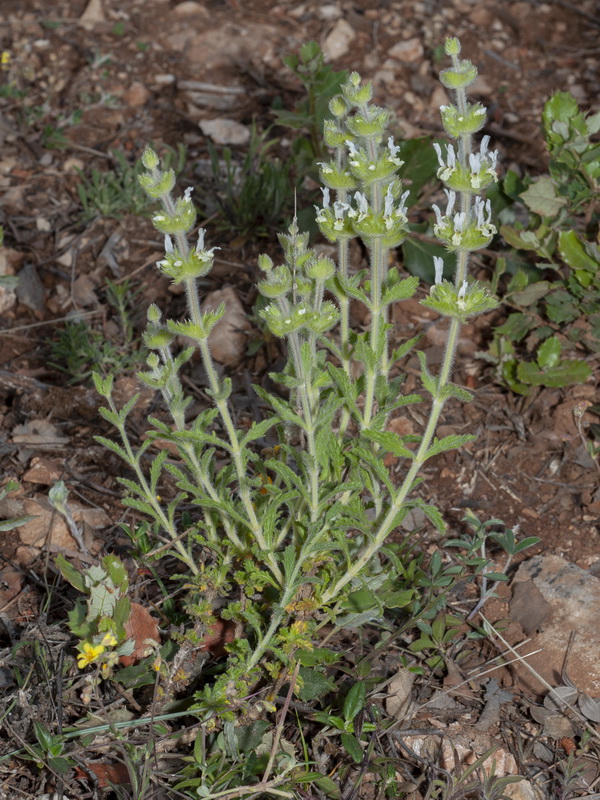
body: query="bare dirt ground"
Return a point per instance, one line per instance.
(131, 72)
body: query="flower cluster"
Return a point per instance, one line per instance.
(480, 173)
(466, 225)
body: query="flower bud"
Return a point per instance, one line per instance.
(338, 106)
(452, 46)
(154, 313)
(150, 159)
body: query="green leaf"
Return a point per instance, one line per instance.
(522, 240)
(355, 701)
(541, 198)
(16, 522)
(114, 447)
(314, 684)
(418, 258)
(516, 327)
(448, 443)
(257, 431)
(391, 442)
(548, 354)
(420, 164)
(353, 747)
(70, 574)
(566, 373)
(532, 293)
(327, 786)
(574, 254)
(400, 291)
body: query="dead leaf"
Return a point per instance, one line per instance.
(106, 774)
(140, 627)
(43, 470)
(227, 339)
(39, 434)
(93, 15)
(399, 699)
(217, 636)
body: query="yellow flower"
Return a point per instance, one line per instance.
(89, 655)
(109, 640)
(5, 58)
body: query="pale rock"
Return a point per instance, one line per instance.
(438, 97)
(48, 527)
(45, 471)
(137, 95)
(43, 224)
(574, 597)
(329, 12)
(408, 51)
(480, 16)
(337, 44)
(8, 299)
(30, 289)
(481, 86)
(93, 15)
(190, 9)
(227, 340)
(72, 164)
(523, 790)
(164, 79)
(225, 131)
(83, 291)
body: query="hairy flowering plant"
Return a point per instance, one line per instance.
(290, 516)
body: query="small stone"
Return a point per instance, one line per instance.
(30, 289)
(137, 95)
(43, 224)
(438, 98)
(225, 131)
(164, 79)
(72, 164)
(83, 291)
(93, 15)
(190, 9)
(329, 12)
(480, 16)
(481, 86)
(409, 51)
(337, 44)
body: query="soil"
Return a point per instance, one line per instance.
(124, 69)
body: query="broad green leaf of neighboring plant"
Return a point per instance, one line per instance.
(574, 254)
(564, 374)
(532, 293)
(418, 259)
(541, 198)
(548, 354)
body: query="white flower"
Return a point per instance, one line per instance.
(447, 166)
(394, 150)
(438, 263)
(327, 170)
(338, 209)
(326, 196)
(362, 209)
(168, 244)
(188, 192)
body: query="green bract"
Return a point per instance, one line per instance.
(459, 77)
(459, 124)
(372, 126)
(448, 301)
